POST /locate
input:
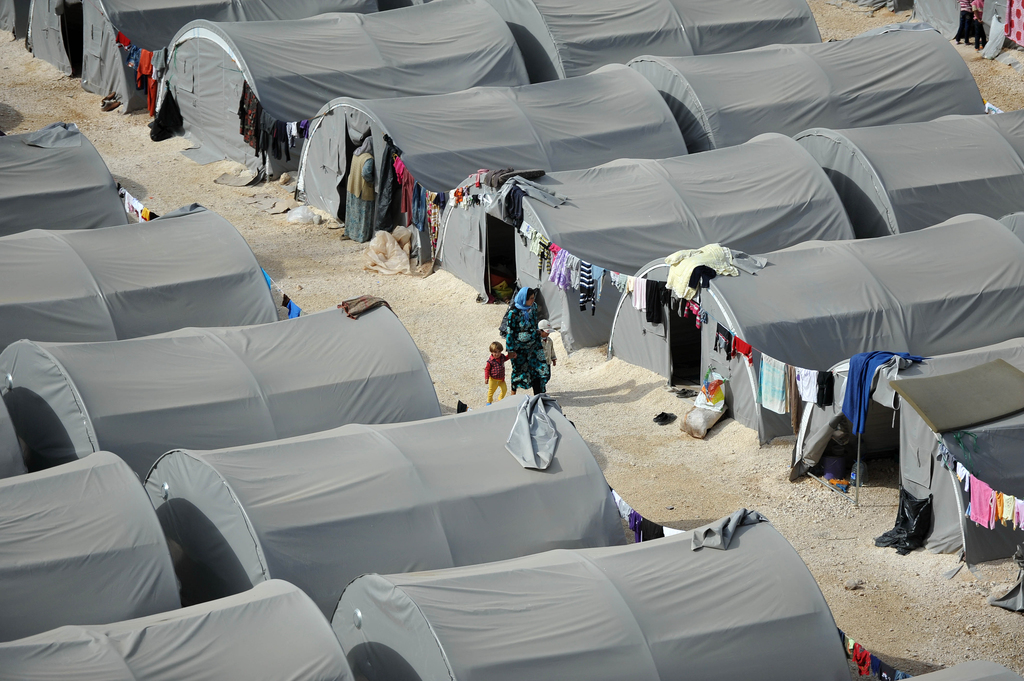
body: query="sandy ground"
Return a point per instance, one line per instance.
(907, 612)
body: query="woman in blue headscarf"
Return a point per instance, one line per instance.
(529, 365)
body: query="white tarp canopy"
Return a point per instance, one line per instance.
(319, 510)
(295, 67)
(561, 125)
(55, 178)
(901, 178)
(270, 632)
(218, 387)
(649, 612)
(187, 268)
(80, 545)
(899, 77)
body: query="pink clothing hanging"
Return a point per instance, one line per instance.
(983, 503)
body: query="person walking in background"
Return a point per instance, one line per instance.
(966, 22)
(529, 364)
(544, 326)
(494, 372)
(980, 40)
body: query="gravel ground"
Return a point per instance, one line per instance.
(906, 612)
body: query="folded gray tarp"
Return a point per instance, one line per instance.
(625, 213)
(563, 38)
(54, 178)
(562, 125)
(208, 388)
(651, 611)
(270, 632)
(295, 67)
(319, 510)
(900, 178)
(948, 288)
(900, 77)
(188, 268)
(80, 545)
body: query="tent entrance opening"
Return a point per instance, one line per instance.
(684, 346)
(71, 29)
(501, 259)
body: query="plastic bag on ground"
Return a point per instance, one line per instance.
(697, 422)
(388, 252)
(304, 215)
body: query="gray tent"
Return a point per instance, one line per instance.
(208, 388)
(294, 67)
(900, 178)
(188, 268)
(14, 17)
(55, 178)
(1015, 223)
(271, 632)
(322, 509)
(899, 77)
(819, 303)
(562, 125)
(656, 610)
(622, 214)
(977, 670)
(563, 38)
(82, 38)
(81, 545)
(994, 457)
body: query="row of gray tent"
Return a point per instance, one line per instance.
(657, 108)
(295, 67)
(604, 612)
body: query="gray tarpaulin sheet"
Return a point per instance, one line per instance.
(533, 438)
(900, 77)
(643, 612)
(217, 387)
(294, 67)
(561, 125)
(187, 268)
(719, 534)
(56, 186)
(898, 178)
(81, 545)
(954, 401)
(319, 510)
(270, 632)
(819, 303)
(757, 197)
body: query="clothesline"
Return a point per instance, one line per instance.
(133, 206)
(286, 302)
(867, 663)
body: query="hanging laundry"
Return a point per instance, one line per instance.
(619, 281)
(741, 347)
(249, 113)
(1014, 27)
(826, 389)
(862, 658)
(293, 310)
(514, 206)
(1018, 515)
(773, 384)
(656, 300)
(639, 293)
(559, 270)
(682, 264)
(886, 673)
(587, 288)
(723, 341)
(573, 264)
(983, 509)
(794, 405)
(598, 274)
(144, 80)
(419, 207)
(387, 188)
(860, 381)
(1009, 507)
(807, 385)
(876, 665)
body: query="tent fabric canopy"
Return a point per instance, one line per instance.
(55, 178)
(901, 178)
(644, 611)
(976, 670)
(561, 125)
(819, 303)
(296, 66)
(151, 24)
(188, 268)
(563, 38)
(713, 27)
(273, 631)
(760, 196)
(218, 387)
(412, 496)
(82, 545)
(1015, 223)
(726, 99)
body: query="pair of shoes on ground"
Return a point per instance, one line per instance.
(110, 102)
(664, 418)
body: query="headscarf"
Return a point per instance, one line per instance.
(520, 302)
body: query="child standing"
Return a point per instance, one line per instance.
(978, 7)
(494, 372)
(544, 326)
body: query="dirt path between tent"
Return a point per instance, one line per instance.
(906, 612)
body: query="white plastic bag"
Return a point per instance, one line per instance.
(388, 252)
(304, 215)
